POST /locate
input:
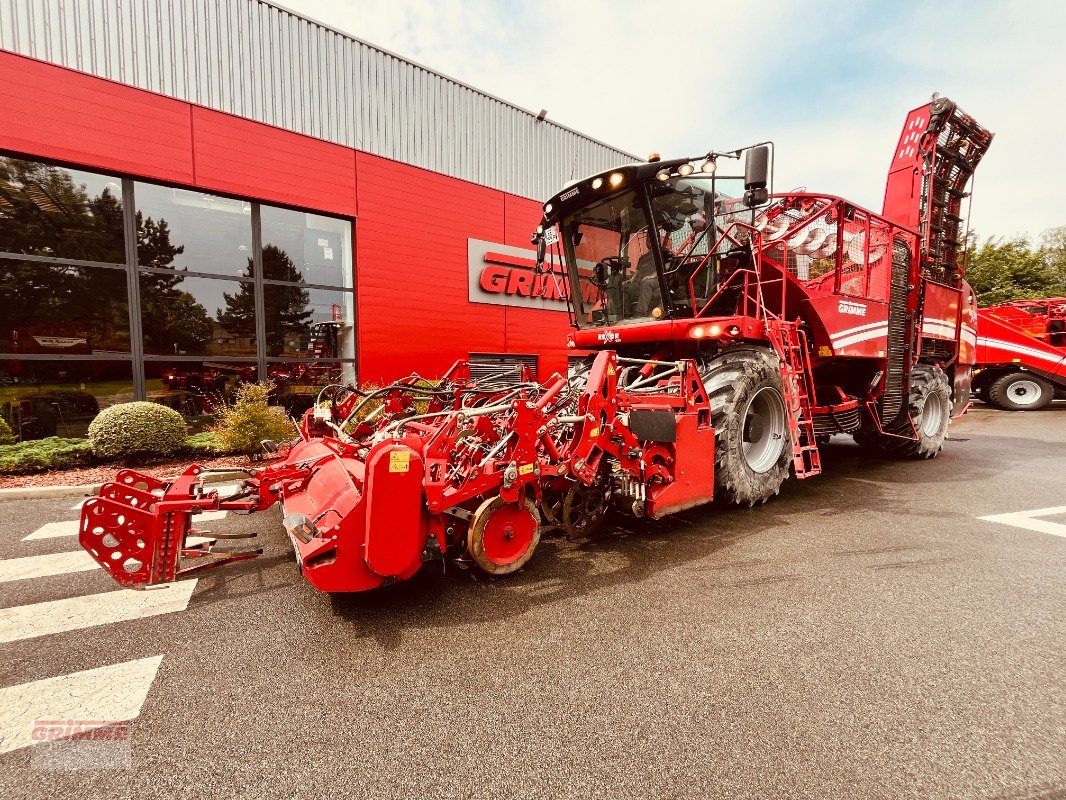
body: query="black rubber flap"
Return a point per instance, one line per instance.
(653, 425)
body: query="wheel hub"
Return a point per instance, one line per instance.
(1024, 392)
(765, 430)
(933, 414)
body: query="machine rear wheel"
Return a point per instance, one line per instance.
(928, 409)
(1021, 391)
(752, 449)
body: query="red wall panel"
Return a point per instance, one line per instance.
(239, 156)
(411, 276)
(61, 114)
(530, 330)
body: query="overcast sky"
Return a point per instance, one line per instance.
(829, 83)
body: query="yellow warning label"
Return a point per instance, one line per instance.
(399, 461)
(594, 432)
(825, 351)
(525, 469)
(610, 369)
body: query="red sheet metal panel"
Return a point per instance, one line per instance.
(411, 274)
(530, 330)
(60, 114)
(239, 156)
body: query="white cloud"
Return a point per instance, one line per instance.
(829, 83)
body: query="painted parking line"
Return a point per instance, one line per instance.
(88, 611)
(69, 527)
(19, 569)
(1030, 520)
(91, 698)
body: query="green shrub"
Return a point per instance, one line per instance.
(245, 424)
(38, 455)
(6, 435)
(204, 445)
(135, 430)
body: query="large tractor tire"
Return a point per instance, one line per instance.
(1020, 391)
(928, 407)
(752, 448)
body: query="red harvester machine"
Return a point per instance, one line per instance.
(1021, 354)
(726, 333)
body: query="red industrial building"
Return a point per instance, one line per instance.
(413, 266)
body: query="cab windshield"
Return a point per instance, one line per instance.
(612, 248)
(611, 263)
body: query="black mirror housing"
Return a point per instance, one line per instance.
(756, 167)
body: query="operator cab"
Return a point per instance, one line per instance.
(642, 242)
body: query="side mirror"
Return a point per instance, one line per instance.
(756, 175)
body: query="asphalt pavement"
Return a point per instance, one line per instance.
(865, 634)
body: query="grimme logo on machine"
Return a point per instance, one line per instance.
(503, 276)
(851, 307)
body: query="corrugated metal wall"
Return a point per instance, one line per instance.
(255, 60)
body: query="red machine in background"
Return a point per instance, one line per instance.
(729, 332)
(1021, 354)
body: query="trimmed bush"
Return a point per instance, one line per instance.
(6, 434)
(245, 424)
(38, 455)
(204, 445)
(136, 430)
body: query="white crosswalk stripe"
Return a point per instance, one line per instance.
(19, 569)
(93, 697)
(87, 611)
(110, 694)
(50, 530)
(69, 527)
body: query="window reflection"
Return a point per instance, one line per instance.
(319, 247)
(183, 315)
(62, 309)
(61, 397)
(185, 229)
(196, 389)
(61, 213)
(308, 323)
(297, 383)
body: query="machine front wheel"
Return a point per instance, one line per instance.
(1021, 391)
(752, 445)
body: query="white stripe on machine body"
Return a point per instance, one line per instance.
(1017, 348)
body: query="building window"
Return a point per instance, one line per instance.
(54, 212)
(63, 309)
(183, 230)
(187, 335)
(312, 248)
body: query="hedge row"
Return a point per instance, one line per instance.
(133, 433)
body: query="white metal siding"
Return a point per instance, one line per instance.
(256, 60)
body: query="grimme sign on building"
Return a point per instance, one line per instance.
(504, 276)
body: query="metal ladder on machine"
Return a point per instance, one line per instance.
(796, 381)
